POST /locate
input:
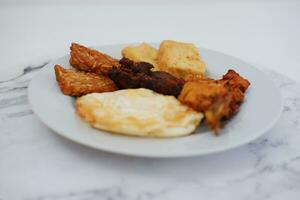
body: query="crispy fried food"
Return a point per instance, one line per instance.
(237, 87)
(139, 75)
(75, 83)
(179, 59)
(217, 99)
(90, 60)
(234, 81)
(141, 53)
(196, 77)
(208, 97)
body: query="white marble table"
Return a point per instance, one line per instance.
(37, 164)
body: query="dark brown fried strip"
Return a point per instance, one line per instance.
(139, 75)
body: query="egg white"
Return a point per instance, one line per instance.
(138, 112)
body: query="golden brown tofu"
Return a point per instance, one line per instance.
(180, 59)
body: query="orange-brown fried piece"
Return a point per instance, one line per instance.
(74, 83)
(237, 87)
(90, 60)
(217, 99)
(196, 77)
(233, 80)
(208, 97)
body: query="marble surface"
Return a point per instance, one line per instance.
(37, 164)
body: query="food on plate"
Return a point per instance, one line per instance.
(138, 112)
(180, 59)
(208, 97)
(141, 53)
(139, 75)
(149, 80)
(90, 60)
(75, 83)
(217, 99)
(237, 86)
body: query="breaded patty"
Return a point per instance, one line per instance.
(138, 112)
(141, 53)
(180, 59)
(74, 83)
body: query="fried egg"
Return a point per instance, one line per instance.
(138, 112)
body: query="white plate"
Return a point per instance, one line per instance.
(260, 110)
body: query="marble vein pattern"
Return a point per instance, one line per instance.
(36, 164)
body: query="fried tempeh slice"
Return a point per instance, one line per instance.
(75, 83)
(90, 60)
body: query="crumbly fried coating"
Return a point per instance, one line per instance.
(139, 75)
(75, 83)
(208, 97)
(237, 86)
(233, 80)
(141, 53)
(90, 60)
(180, 59)
(217, 99)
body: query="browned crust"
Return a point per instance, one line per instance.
(90, 60)
(74, 83)
(217, 99)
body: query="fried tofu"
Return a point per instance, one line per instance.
(74, 83)
(141, 53)
(180, 59)
(90, 60)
